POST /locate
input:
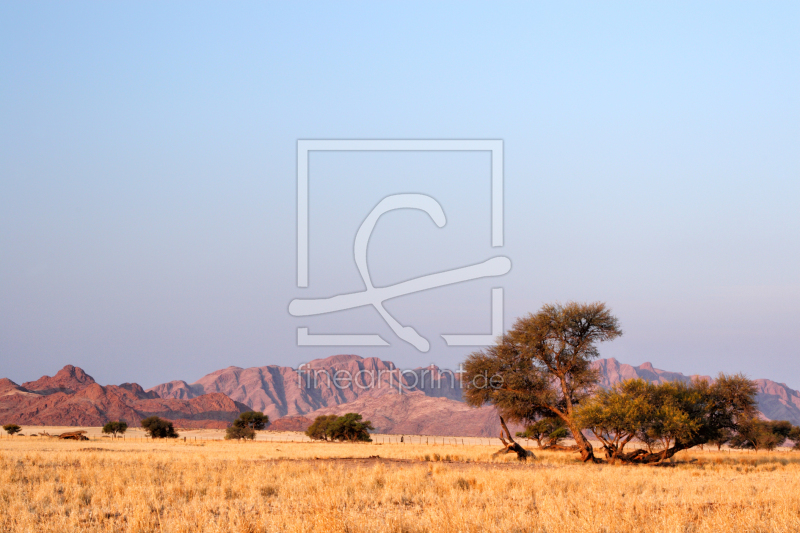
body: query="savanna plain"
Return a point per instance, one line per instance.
(49, 485)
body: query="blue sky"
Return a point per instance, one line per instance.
(148, 177)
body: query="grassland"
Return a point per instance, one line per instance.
(49, 485)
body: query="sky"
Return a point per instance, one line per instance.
(148, 178)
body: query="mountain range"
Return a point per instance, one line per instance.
(418, 401)
(73, 398)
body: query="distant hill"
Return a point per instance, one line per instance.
(73, 398)
(284, 391)
(429, 402)
(278, 390)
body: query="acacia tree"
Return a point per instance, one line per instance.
(254, 420)
(761, 434)
(794, 436)
(246, 425)
(12, 428)
(115, 428)
(350, 427)
(668, 417)
(542, 366)
(240, 432)
(319, 429)
(158, 428)
(685, 415)
(615, 416)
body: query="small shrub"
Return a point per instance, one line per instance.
(268, 491)
(465, 484)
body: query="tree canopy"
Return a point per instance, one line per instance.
(617, 415)
(347, 427)
(319, 428)
(542, 366)
(246, 425)
(115, 428)
(668, 417)
(240, 432)
(12, 429)
(764, 435)
(254, 420)
(159, 428)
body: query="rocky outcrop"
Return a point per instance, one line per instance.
(138, 391)
(8, 387)
(279, 391)
(777, 401)
(341, 383)
(69, 379)
(613, 372)
(178, 389)
(73, 398)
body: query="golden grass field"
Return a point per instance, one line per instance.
(49, 485)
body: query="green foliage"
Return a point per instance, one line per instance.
(542, 367)
(240, 432)
(724, 437)
(794, 436)
(676, 414)
(615, 416)
(319, 428)
(781, 428)
(159, 428)
(714, 407)
(349, 427)
(254, 420)
(115, 428)
(669, 417)
(12, 428)
(551, 430)
(764, 435)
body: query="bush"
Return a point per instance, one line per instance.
(115, 428)
(158, 428)
(252, 419)
(239, 433)
(763, 435)
(12, 428)
(350, 427)
(319, 429)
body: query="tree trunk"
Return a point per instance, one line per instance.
(644, 457)
(584, 446)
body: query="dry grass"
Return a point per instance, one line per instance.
(49, 485)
